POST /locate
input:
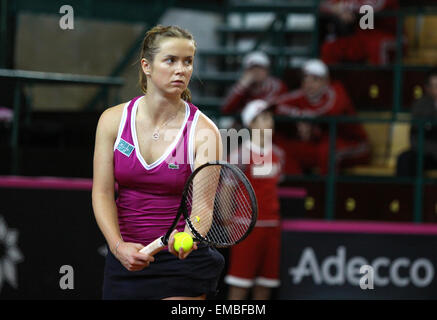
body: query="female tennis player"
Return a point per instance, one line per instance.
(150, 146)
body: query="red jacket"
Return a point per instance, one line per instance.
(387, 23)
(239, 96)
(333, 102)
(264, 172)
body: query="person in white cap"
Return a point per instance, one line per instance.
(255, 83)
(309, 149)
(254, 263)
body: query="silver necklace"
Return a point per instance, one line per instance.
(155, 134)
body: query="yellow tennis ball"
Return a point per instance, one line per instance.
(184, 240)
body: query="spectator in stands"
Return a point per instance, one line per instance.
(424, 108)
(345, 41)
(309, 148)
(254, 263)
(255, 83)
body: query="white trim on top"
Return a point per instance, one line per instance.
(121, 125)
(191, 139)
(169, 148)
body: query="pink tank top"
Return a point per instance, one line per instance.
(149, 194)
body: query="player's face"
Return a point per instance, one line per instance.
(432, 87)
(313, 85)
(263, 121)
(172, 66)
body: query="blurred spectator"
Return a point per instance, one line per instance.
(255, 83)
(345, 41)
(309, 149)
(424, 108)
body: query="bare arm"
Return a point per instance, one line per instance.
(103, 198)
(208, 147)
(208, 144)
(105, 210)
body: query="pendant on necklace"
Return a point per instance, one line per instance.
(155, 135)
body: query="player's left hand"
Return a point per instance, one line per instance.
(181, 254)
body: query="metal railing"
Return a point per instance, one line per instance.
(21, 78)
(332, 177)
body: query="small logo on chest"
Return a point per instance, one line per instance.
(125, 148)
(173, 166)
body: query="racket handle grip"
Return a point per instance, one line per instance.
(153, 247)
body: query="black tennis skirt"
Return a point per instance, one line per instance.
(167, 276)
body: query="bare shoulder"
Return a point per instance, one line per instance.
(112, 114)
(205, 123)
(208, 141)
(110, 119)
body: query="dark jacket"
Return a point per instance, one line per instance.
(425, 108)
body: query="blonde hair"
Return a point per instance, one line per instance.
(150, 48)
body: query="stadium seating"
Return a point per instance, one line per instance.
(387, 141)
(288, 32)
(420, 31)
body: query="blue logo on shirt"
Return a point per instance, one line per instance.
(125, 148)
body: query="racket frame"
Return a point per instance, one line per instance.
(183, 209)
(161, 242)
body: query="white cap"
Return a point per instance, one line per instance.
(256, 58)
(252, 109)
(315, 67)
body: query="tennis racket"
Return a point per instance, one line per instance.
(218, 204)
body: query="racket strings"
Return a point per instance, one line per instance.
(238, 199)
(235, 200)
(200, 199)
(220, 205)
(216, 233)
(241, 197)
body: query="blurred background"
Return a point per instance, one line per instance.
(369, 199)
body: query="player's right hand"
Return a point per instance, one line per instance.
(130, 257)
